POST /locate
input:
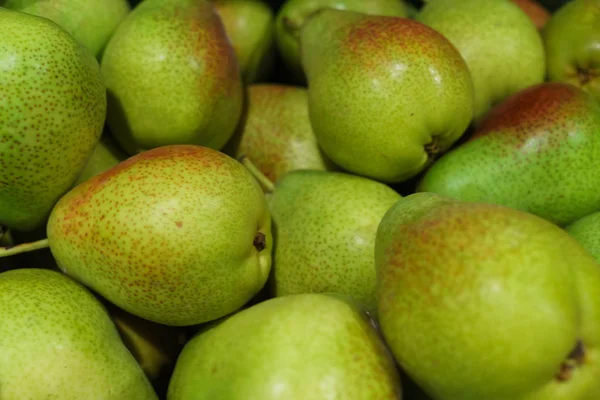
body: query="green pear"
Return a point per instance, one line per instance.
(177, 235)
(538, 14)
(250, 27)
(535, 152)
(325, 227)
(293, 14)
(172, 77)
(499, 42)
(276, 133)
(572, 39)
(386, 95)
(52, 110)
(586, 231)
(106, 155)
(90, 22)
(297, 347)
(58, 342)
(481, 301)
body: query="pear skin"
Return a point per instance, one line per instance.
(52, 111)
(172, 77)
(572, 40)
(276, 133)
(177, 235)
(499, 42)
(481, 301)
(538, 13)
(297, 347)
(325, 226)
(90, 22)
(58, 342)
(534, 152)
(586, 231)
(386, 95)
(106, 155)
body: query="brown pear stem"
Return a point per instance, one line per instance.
(23, 248)
(265, 182)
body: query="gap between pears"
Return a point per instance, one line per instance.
(265, 182)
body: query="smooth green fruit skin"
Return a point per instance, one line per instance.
(90, 22)
(58, 342)
(572, 40)
(250, 27)
(380, 90)
(587, 232)
(106, 155)
(298, 347)
(172, 77)
(52, 110)
(325, 227)
(276, 134)
(167, 235)
(535, 152)
(480, 301)
(499, 42)
(292, 15)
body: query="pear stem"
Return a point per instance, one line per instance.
(265, 182)
(23, 248)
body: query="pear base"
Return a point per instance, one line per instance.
(575, 360)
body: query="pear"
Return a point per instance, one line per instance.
(250, 27)
(177, 235)
(172, 77)
(481, 301)
(537, 12)
(297, 347)
(325, 226)
(586, 231)
(52, 110)
(106, 155)
(58, 342)
(535, 152)
(497, 39)
(294, 13)
(572, 40)
(386, 95)
(276, 133)
(90, 22)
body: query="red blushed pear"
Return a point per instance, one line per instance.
(480, 301)
(537, 151)
(172, 77)
(385, 94)
(537, 12)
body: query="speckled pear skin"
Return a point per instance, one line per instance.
(535, 152)
(480, 301)
(58, 342)
(537, 12)
(499, 42)
(305, 346)
(90, 22)
(325, 227)
(250, 27)
(572, 40)
(385, 94)
(586, 231)
(167, 235)
(172, 77)
(276, 133)
(106, 155)
(293, 14)
(52, 110)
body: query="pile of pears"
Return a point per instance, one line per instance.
(308, 200)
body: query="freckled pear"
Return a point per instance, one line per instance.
(297, 347)
(385, 94)
(537, 151)
(325, 227)
(58, 342)
(172, 77)
(481, 301)
(586, 231)
(178, 235)
(276, 133)
(52, 110)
